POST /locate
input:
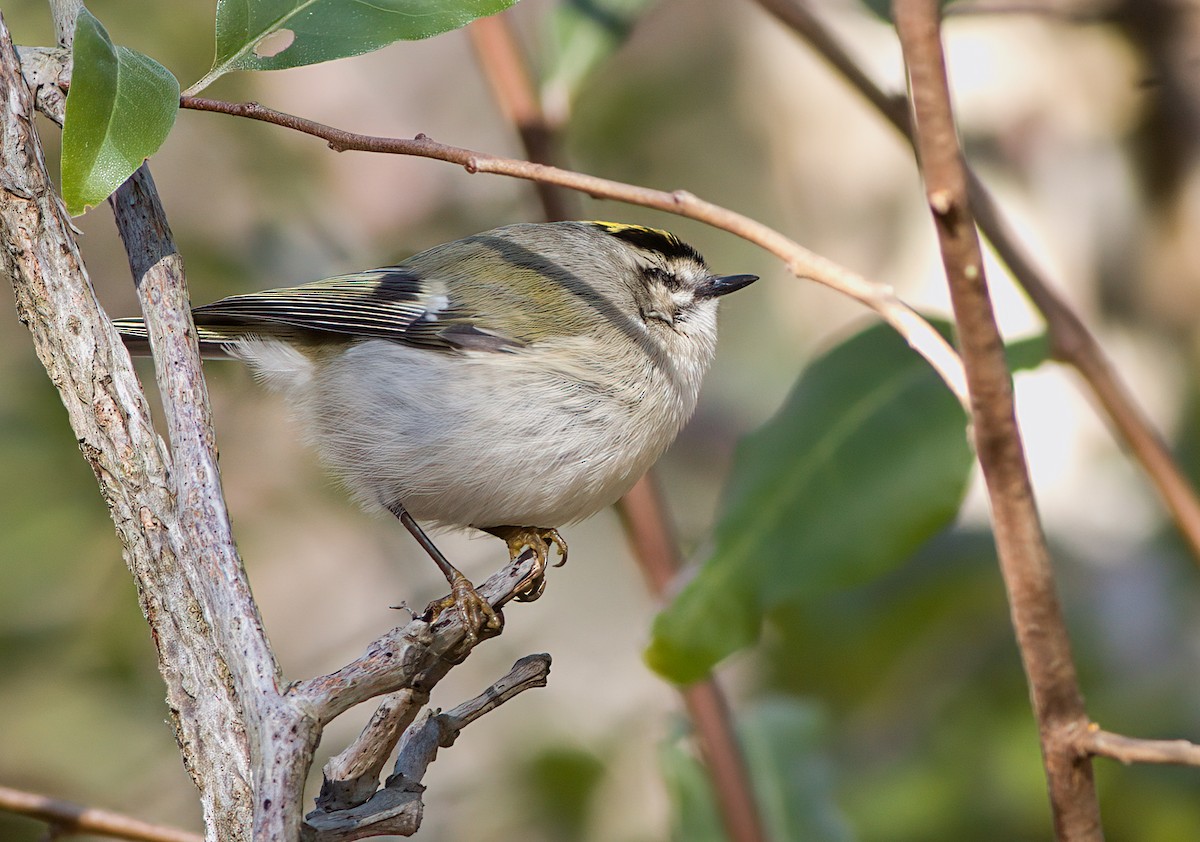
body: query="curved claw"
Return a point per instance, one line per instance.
(553, 537)
(538, 539)
(476, 613)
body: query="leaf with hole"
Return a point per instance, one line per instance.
(120, 109)
(278, 34)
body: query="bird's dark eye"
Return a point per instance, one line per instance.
(658, 275)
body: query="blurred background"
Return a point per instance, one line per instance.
(894, 711)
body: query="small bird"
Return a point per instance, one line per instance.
(513, 381)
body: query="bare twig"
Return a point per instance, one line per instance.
(657, 551)
(1099, 743)
(506, 71)
(68, 817)
(416, 655)
(352, 776)
(529, 672)
(1024, 559)
(800, 261)
(1071, 340)
(396, 808)
(405, 663)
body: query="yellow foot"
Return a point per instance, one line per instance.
(476, 613)
(520, 538)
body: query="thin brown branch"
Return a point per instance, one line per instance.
(1072, 342)
(644, 512)
(506, 71)
(1020, 544)
(803, 263)
(644, 515)
(1099, 743)
(68, 817)
(1072, 10)
(657, 551)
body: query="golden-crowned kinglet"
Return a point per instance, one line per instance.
(513, 381)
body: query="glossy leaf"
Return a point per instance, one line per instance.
(120, 108)
(278, 34)
(867, 459)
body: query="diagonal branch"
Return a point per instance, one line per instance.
(800, 261)
(1071, 340)
(506, 71)
(404, 665)
(1020, 544)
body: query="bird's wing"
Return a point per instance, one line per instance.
(394, 303)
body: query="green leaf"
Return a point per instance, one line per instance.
(278, 34)
(867, 459)
(581, 34)
(120, 108)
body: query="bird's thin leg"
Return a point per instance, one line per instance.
(475, 610)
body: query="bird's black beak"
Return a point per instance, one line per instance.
(725, 285)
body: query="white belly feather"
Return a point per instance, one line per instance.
(457, 439)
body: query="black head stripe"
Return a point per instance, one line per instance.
(651, 239)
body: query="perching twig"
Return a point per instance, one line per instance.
(800, 261)
(1020, 544)
(68, 817)
(396, 808)
(1071, 341)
